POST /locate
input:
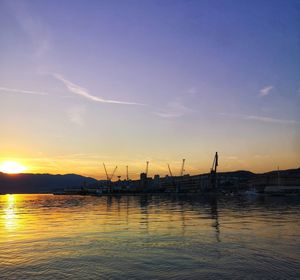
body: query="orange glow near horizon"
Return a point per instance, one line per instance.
(91, 164)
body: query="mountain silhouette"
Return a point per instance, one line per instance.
(40, 183)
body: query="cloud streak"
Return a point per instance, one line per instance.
(173, 109)
(265, 91)
(32, 26)
(75, 115)
(14, 90)
(270, 120)
(261, 118)
(83, 92)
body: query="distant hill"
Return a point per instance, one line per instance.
(288, 172)
(290, 177)
(242, 174)
(40, 183)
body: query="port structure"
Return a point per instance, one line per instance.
(109, 178)
(211, 183)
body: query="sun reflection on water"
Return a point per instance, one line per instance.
(10, 216)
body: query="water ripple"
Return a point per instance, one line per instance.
(149, 237)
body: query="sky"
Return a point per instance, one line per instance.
(125, 82)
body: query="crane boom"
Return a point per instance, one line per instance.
(182, 167)
(170, 170)
(105, 171)
(215, 163)
(213, 173)
(112, 175)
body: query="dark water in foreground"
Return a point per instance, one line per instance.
(73, 237)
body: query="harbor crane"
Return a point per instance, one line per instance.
(215, 163)
(170, 170)
(181, 171)
(109, 178)
(213, 172)
(105, 171)
(113, 172)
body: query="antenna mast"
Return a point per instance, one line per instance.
(127, 177)
(147, 164)
(182, 167)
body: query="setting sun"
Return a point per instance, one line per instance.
(12, 167)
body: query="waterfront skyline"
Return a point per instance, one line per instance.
(125, 82)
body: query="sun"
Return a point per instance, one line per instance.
(12, 167)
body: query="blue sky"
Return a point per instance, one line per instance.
(82, 82)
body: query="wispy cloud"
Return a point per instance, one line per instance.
(266, 90)
(270, 120)
(231, 157)
(76, 89)
(21, 91)
(192, 91)
(258, 156)
(75, 115)
(173, 109)
(33, 27)
(261, 118)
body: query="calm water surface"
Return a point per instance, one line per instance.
(74, 237)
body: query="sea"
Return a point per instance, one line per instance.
(45, 236)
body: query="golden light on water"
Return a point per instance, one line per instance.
(10, 215)
(12, 167)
